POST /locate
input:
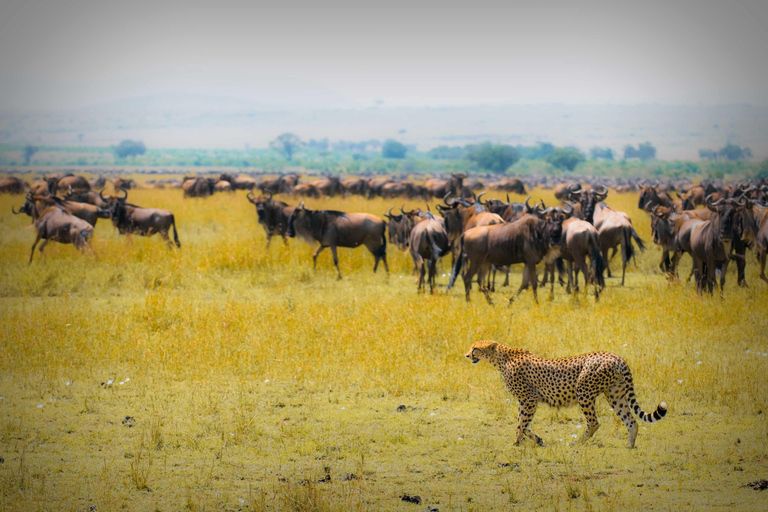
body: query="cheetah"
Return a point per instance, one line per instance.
(564, 381)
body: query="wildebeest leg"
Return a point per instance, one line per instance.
(432, 274)
(314, 256)
(740, 248)
(420, 265)
(335, 260)
(529, 278)
(606, 261)
(569, 288)
(506, 278)
(481, 274)
(32, 253)
(763, 256)
(167, 239)
(42, 246)
(269, 239)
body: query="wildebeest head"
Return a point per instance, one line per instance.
(397, 225)
(553, 217)
(27, 207)
(116, 207)
(729, 214)
(588, 199)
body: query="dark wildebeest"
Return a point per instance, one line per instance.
(97, 182)
(587, 198)
(272, 215)
(757, 223)
(129, 218)
(123, 183)
(696, 196)
(710, 241)
(650, 196)
(375, 185)
(306, 190)
(69, 181)
(338, 229)
(615, 229)
(198, 187)
(12, 185)
(442, 187)
(399, 227)
(508, 211)
(528, 240)
(53, 223)
(356, 186)
(461, 215)
(514, 185)
(39, 187)
(562, 190)
(283, 184)
(329, 186)
(90, 197)
(238, 182)
(428, 241)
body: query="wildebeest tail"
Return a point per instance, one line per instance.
(597, 261)
(660, 411)
(436, 251)
(457, 264)
(382, 250)
(175, 234)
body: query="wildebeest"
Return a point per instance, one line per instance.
(528, 240)
(376, 184)
(68, 182)
(339, 229)
(238, 182)
(399, 227)
(223, 186)
(329, 186)
(123, 183)
(356, 186)
(273, 215)
(579, 240)
(12, 185)
(88, 212)
(53, 223)
(509, 185)
(129, 218)
(615, 229)
(442, 187)
(650, 196)
(198, 187)
(710, 241)
(665, 225)
(461, 215)
(306, 190)
(283, 184)
(758, 223)
(587, 198)
(428, 241)
(90, 197)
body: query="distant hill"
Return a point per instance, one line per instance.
(188, 121)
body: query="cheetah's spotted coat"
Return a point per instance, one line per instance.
(563, 382)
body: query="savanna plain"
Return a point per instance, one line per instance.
(227, 376)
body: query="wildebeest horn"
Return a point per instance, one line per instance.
(402, 210)
(249, 196)
(389, 213)
(101, 195)
(507, 197)
(445, 198)
(600, 190)
(14, 211)
(477, 199)
(709, 200)
(655, 208)
(574, 187)
(125, 193)
(527, 206)
(570, 208)
(742, 201)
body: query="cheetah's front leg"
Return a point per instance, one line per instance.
(527, 410)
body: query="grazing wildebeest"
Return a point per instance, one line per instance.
(53, 223)
(198, 187)
(129, 218)
(329, 186)
(615, 229)
(76, 183)
(238, 182)
(356, 186)
(375, 185)
(442, 187)
(123, 183)
(306, 190)
(428, 241)
(283, 184)
(339, 229)
(12, 185)
(528, 240)
(273, 215)
(509, 185)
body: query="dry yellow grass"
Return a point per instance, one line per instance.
(248, 378)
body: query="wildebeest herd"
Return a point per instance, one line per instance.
(483, 237)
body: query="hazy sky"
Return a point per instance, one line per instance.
(63, 54)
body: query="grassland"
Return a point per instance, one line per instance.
(223, 376)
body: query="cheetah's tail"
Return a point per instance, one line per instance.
(660, 411)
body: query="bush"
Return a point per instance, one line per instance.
(566, 158)
(493, 157)
(393, 149)
(128, 148)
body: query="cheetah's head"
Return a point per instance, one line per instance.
(481, 350)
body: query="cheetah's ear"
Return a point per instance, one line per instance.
(492, 346)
